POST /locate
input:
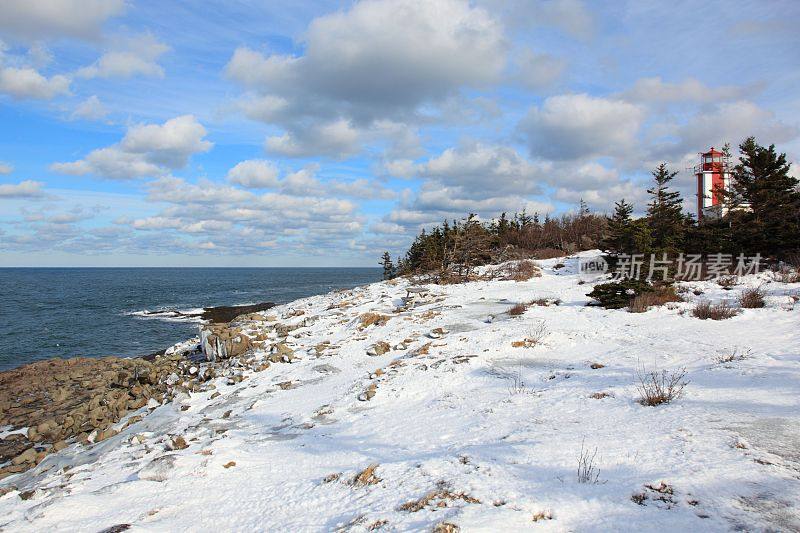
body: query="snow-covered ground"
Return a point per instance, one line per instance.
(452, 421)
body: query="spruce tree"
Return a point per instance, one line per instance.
(620, 231)
(388, 266)
(764, 202)
(665, 213)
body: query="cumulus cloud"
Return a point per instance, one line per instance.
(381, 59)
(336, 139)
(254, 174)
(136, 56)
(23, 189)
(575, 126)
(26, 83)
(146, 150)
(30, 20)
(90, 109)
(481, 170)
(6, 168)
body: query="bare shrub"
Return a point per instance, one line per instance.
(726, 282)
(752, 298)
(706, 310)
(587, 470)
(517, 382)
(523, 271)
(518, 309)
(656, 388)
(786, 274)
(733, 355)
(658, 297)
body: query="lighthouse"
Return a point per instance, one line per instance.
(713, 174)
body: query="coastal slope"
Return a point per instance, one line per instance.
(438, 408)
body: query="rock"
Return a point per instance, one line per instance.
(229, 464)
(178, 443)
(379, 348)
(60, 445)
(12, 445)
(368, 394)
(223, 341)
(28, 456)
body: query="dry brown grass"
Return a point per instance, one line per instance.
(523, 271)
(366, 477)
(752, 298)
(726, 282)
(706, 310)
(733, 355)
(658, 297)
(518, 309)
(656, 388)
(372, 319)
(436, 498)
(599, 395)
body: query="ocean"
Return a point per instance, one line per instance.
(94, 312)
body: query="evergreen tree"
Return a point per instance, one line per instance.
(764, 202)
(388, 266)
(665, 214)
(583, 209)
(620, 231)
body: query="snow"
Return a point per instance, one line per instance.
(723, 456)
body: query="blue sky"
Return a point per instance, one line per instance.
(176, 133)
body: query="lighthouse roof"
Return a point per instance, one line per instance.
(712, 152)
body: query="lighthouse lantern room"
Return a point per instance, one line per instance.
(713, 174)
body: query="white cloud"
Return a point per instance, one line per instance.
(27, 83)
(39, 19)
(654, 90)
(90, 109)
(570, 16)
(6, 168)
(254, 174)
(23, 189)
(132, 57)
(381, 59)
(146, 150)
(538, 71)
(336, 139)
(579, 126)
(482, 170)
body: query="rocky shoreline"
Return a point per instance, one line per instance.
(46, 406)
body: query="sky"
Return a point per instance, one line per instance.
(321, 133)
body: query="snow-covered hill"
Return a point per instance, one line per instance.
(473, 417)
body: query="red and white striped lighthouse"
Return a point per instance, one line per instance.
(713, 173)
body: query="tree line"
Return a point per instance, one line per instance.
(758, 213)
